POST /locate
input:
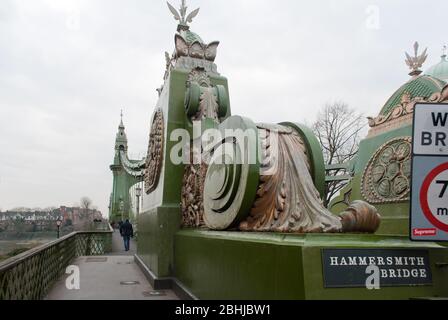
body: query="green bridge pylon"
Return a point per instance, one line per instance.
(127, 175)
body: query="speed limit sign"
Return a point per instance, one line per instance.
(434, 197)
(429, 203)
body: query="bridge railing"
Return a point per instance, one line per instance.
(30, 275)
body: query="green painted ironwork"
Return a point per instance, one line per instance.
(160, 219)
(126, 173)
(346, 167)
(31, 275)
(343, 177)
(259, 266)
(423, 87)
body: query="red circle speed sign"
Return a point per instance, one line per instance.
(428, 184)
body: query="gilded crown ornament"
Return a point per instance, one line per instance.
(182, 16)
(416, 62)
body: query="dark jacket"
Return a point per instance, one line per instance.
(126, 230)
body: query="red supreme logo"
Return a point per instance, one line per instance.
(424, 232)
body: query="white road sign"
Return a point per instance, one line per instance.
(431, 129)
(429, 203)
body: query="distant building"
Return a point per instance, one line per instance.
(46, 220)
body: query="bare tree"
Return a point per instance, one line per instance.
(86, 203)
(338, 129)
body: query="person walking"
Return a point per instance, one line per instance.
(127, 232)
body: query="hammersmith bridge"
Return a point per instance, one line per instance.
(225, 227)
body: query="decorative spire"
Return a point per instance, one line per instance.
(416, 62)
(182, 17)
(444, 51)
(121, 121)
(121, 141)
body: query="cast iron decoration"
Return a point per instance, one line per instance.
(388, 174)
(202, 101)
(154, 157)
(275, 194)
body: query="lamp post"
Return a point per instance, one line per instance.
(138, 194)
(58, 223)
(122, 209)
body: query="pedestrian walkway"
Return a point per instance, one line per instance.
(115, 276)
(109, 278)
(118, 245)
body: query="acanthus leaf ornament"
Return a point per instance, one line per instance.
(277, 194)
(196, 49)
(287, 200)
(192, 195)
(202, 103)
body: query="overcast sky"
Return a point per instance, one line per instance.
(67, 67)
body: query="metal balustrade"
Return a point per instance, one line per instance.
(30, 275)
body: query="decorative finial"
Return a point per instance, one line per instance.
(416, 62)
(444, 51)
(182, 17)
(121, 120)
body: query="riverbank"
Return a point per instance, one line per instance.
(14, 243)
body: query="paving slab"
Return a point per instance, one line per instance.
(109, 278)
